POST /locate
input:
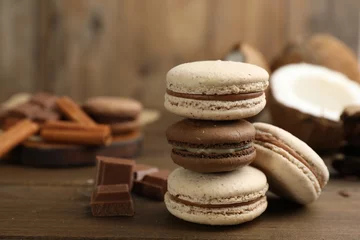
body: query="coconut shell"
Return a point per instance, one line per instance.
(250, 55)
(293, 53)
(319, 133)
(324, 50)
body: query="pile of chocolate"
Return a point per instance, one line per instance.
(116, 178)
(46, 121)
(348, 163)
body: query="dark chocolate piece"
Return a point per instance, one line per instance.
(149, 190)
(43, 116)
(25, 110)
(114, 171)
(153, 186)
(159, 178)
(351, 122)
(44, 100)
(112, 200)
(140, 170)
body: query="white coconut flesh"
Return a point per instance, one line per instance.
(235, 56)
(314, 90)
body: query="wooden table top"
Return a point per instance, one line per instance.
(54, 204)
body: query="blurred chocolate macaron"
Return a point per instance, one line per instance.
(216, 90)
(211, 146)
(122, 114)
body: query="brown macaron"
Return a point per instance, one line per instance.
(122, 114)
(212, 146)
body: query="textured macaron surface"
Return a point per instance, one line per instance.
(293, 169)
(106, 106)
(217, 78)
(271, 134)
(218, 134)
(241, 185)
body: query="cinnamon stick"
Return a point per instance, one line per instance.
(58, 124)
(73, 111)
(16, 135)
(76, 133)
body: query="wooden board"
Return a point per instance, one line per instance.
(40, 154)
(56, 212)
(54, 204)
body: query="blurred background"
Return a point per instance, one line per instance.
(85, 48)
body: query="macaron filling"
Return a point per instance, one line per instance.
(203, 205)
(215, 97)
(213, 150)
(264, 139)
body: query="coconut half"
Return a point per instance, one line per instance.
(308, 100)
(324, 50)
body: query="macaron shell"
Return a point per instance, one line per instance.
(287, 177)
(113, 106)
(125, 127)
(214, 110)
(241, 185)
(217, 77)
(209, 165)
(211, 216)
(299, 146)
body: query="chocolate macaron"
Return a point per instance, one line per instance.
(293, 169)
(211, 146)
(216, 90)
(122, 114)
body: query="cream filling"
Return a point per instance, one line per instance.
(213, 150)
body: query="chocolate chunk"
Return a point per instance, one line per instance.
(114, 171)
(344, 193)
(25, 110)
(149, 190)
(153, 186)
(158, 178)
(8, 122)
(44, 116)
(351, 122)
(140, 170)
(112, 200)
(44, 100)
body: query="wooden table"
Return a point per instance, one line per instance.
(54, 204)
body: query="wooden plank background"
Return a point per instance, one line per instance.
(125, 47)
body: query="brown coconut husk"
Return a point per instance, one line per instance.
(324, 50)
(250, 55)
(319, 133)
(293, 53)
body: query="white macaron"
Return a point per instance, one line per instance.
(217, 198)
(293, 169)
(216, 90)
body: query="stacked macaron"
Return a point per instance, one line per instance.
(214, 144)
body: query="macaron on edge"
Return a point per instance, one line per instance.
(310, 171)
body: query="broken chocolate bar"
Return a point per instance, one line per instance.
(153, 186)
(44, 100)
(114, 171)
(112, 200)
(351, 122)
(25, 110)
(140, 170)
